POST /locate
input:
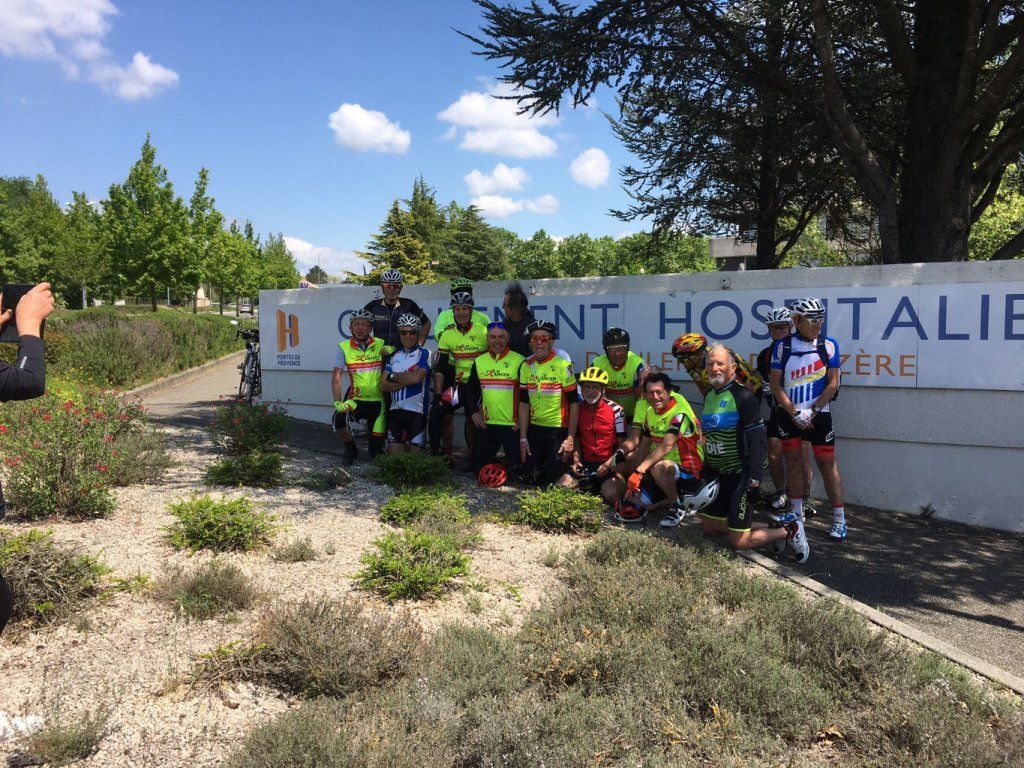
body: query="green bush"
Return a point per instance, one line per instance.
(410, 506)
(64, 740)
(406, 470)
(306, 736)
(49, 580)
(336, 477)
(560, 509)
(64, 452)
(298, 551)
(412, 565)
(250, 428)
(213, 589)
(256, 470)
(224, 525)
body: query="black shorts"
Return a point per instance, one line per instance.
(772, 425)
(730, 505)
(407, 427)
(544, 445)
(819, 434)
(651, 493)
(370, 411)
(586, 478)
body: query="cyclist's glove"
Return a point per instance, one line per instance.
(341, 406)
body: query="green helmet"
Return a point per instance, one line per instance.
(461, 284)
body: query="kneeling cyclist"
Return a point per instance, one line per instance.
(362, 356)
(406, 378)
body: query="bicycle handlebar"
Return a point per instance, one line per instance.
(249, 334)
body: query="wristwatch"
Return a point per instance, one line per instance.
(816, 408)
(391, 377)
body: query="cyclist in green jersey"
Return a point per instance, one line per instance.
(446, 319)
(624, 369)
(493, 395)
(362, 356)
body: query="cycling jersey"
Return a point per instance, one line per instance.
(548, 385)
(411, 397)
(385, 318)
(364, 363)
(677, 419)
(728, 415)
(599, 429)
(494, 381)
(806, 374)
(744, 375)
(463, 346)
(446, 320)
(622, 382)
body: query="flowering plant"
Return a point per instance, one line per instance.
(247, 428)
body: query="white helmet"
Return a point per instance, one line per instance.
(778, 315)
(391, 276)
(694, 502)
(809, 307)
(361, 314)
(409, 320)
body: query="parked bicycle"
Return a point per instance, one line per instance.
(251, 384)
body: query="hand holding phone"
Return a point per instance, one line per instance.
(28, 305)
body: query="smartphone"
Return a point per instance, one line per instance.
(11, 296)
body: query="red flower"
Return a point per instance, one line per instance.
(69, 404)
(108, 438)
(46, 417)
(3, 429)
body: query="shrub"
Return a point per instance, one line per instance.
(64, 452)
(64, 740)
(410, 506)
(250, 428)
(412, 565)
(211, 590)
(336, 477)
(224, 525)
(298, 551)
(560, 509)
(255, 470)
(405, 470)
(307, 736)
(49, 580)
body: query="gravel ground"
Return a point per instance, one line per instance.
(126, 652)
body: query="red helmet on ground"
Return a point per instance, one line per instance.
(492, 475)
(628, 512)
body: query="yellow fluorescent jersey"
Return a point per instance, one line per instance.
(499, 386)
(364, 364)
(446, 320)
(545, 382)
(622, 382)
(463, 347)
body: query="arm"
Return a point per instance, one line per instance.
(442, 371)
(832, 379)
(781, 398)
(336, 384)
(524, 425)
(425, 328)
(27, 377)
(474, 393)
(400, 380)
(661, 450)
(753, 433)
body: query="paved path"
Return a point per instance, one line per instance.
(962, 585)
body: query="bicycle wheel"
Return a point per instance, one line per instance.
(245, 385)
(257, 379)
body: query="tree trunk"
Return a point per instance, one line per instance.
(237, 314)
(152, 298)
(220, 301)
(195, 301)
(85, 300)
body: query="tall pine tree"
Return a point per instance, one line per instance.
(396, 246)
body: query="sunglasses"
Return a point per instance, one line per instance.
(391, 285)
(409, 333)
(778, 326)
(616, 348)
(815, 320)
(544, 339)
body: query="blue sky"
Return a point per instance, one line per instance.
(312, 116)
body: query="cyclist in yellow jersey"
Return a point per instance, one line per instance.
(447, 318)
(548, 407)
(691, 349)
(362, 356)
(624, 369)
(457, 348)
(493, 395)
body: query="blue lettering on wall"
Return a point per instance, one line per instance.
(341, 324)
(1012, 316)
(604, 313)
(912, 320)
(944, 335)
(560, 315)
(663, 320)
(983, 335)
(856, 303)
(754, 334)
(715, 305)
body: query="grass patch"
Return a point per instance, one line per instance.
(412, 565)
(213, 589)
(435, 511)
(336, 477)
(220, 525)
(255, 470)
(408, 470)
(560, 510)
(64, 740)
(297, 551)
(48, 580)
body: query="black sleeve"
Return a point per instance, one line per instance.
(752, 430)
(764, 358)
(473, 390)
(444, 366)
(27, 377)
(572, 396)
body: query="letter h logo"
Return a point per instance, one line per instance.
(287, 331)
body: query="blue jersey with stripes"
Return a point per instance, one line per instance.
(806, 374)
(412, 397)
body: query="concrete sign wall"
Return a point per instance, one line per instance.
(933, 355)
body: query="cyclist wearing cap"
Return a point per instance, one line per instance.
(446, 318)
(406, 379)
(392, 306)
(492, 393)
(780, 325)
(457, 347)
(548, 406)
(805, 378)
(363, 357)
(624, 369)
(691, 350)
(734, 452)
(599, 433)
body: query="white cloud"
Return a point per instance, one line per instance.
(546, 204)
(332, 260)
(493, 124)
(367, 130)
(591, 168)
(70, 33)
(449, 135)
(499, 207)
(501, 179)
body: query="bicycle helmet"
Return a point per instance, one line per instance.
(493, 475)
(409, 320)
(613, 337)
(461, 284)
(809, 307)
(689, 344)
(778, 315)
(694, 502)
(628, 512)
(542, 325)
(461, 299)
(594, 375)
(391, 276)
(361, 314)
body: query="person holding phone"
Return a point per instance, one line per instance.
(25, 379)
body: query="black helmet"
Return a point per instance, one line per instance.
(542, 325)
(613, 337)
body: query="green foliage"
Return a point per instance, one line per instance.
(405, 470)
(221, 525)
(317, 274)
(82, 261)
(1003, 220)
(250, 428)
(213, 589)
(335, 477)
(301, 737)
(396, 246)
(560, 509)
(277, 265)
(255, 470)
(64, 453)
(412, 565)
(32, 232)
(49, 580)
(297, 551)
(411, 506)
(66, 739)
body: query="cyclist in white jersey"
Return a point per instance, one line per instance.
(406, 376)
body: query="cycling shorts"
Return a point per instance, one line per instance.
(731, 505)
(407, 427)
(651, 493)
(586, 478)
(370, 411)
(820, 433)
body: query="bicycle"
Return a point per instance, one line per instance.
(251, 384)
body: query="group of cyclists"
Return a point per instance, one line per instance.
(619, 428)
